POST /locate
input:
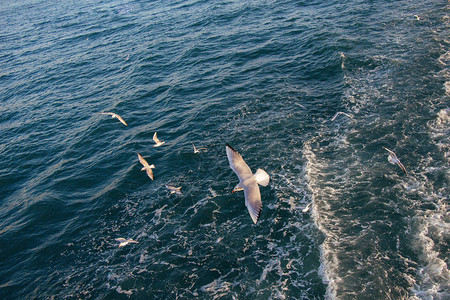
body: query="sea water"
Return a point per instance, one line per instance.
(267, 77)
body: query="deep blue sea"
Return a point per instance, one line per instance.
(266, 77)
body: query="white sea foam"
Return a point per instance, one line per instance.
(328, 263)
(440, 131)
(432, 225)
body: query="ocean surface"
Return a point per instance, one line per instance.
(267, 77)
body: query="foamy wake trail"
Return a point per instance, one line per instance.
(433, 224)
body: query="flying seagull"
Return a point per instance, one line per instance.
(341, 113)
(392, 158)
(124, 242)
(197, 150)
(174, 190)
(307, 207)
(115, 116)
(148, 168)
(248, 182)
(157, 141)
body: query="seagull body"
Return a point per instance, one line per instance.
(197, 150)
(392, 158)
(157, 141)
(124, 242)
(113, 115)
(174, 190)
(146, 167)
(248, 182)
(341, 113)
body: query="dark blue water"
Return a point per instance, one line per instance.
(264, 76)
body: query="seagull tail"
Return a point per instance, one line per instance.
(262, 177)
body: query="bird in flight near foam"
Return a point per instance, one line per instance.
(113, 115)
(174, 190)
(307, 207)
(197, 150)
(341, 113)
(157, 141)
(146, 167)
(392, 158)
(124, 242)
(248, 182)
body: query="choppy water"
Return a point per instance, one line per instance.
(264, 76)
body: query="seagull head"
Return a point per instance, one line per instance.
(237, 188)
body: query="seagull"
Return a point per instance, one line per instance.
(307, 207)
(343, 59)
(213, 192)
(248, 182)
(417, 17)
(115, 116)
(197, 150)
(392, 158)
(341, 113)
(174, 190)
(157, 141)
(124, 242)
(148, 168)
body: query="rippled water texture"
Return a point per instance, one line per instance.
(267, 77)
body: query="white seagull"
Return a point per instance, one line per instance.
(113, 115)
(248, 182)
(197, 150)
(174, 190)
(148, 168)
(341, 113)
(157, 141)
(392, 158)
(307, 207)
(124, 242)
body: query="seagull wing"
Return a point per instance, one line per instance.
(155, 138)
(143, 162)
(149, 173)
(121, 120)
(238, 164)
(401, 166)
(391, 153)
(253, 200)
(121, 240)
